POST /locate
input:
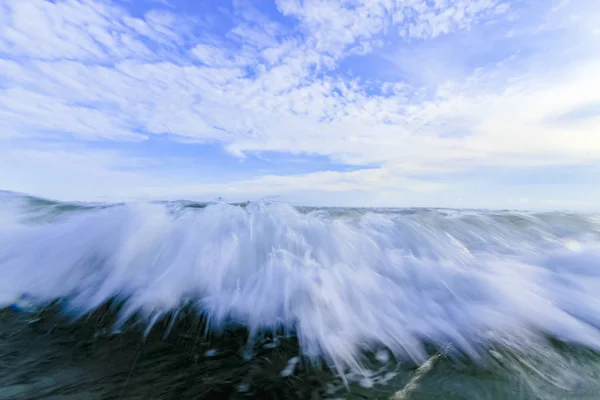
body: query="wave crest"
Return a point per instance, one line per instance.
(343, 281)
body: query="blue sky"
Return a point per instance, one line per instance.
(455, 103)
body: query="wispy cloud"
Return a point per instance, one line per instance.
(472, 84)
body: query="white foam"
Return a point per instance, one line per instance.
(343, 282)
(210, 353)
(290, 367)
(382, 356)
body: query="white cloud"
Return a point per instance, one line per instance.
(40, 115)
(293, 188)
(69, 172)
(84, 30)
(90, 70)
(333, 25)
(91, 170)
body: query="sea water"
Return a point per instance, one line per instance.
(395, 286)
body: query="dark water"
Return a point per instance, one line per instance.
(45, 356)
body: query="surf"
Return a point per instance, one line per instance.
(343, 282)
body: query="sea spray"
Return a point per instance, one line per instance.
(344, 282)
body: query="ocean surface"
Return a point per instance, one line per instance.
(265, 300)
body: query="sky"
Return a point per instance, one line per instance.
(387, 103)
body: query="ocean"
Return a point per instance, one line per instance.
(178, 300)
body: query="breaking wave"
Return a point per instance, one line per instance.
(344, 281)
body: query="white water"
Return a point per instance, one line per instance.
(344, 282)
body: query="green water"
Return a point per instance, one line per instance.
(46, 357)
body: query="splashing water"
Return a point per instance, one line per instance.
(343, 281)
